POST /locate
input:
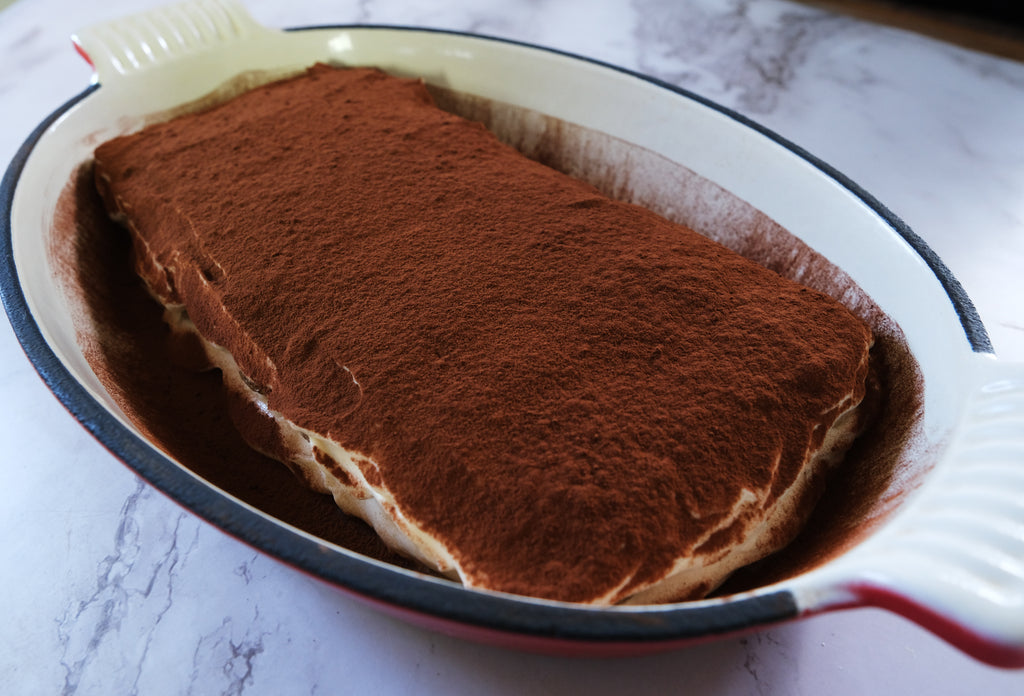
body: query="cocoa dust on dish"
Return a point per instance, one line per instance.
(185, 412)
(889, 459)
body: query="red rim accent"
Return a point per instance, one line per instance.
(81, 51)
(985, 648)
(539, 644)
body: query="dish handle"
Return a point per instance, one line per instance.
(125, 47)
(953, 560)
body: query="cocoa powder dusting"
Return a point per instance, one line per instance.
(512, 379)
(153, 377)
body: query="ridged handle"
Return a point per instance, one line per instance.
(140, 42)
(954, 561)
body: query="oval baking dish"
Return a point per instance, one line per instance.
(945, 539)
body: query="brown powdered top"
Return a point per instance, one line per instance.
(565, 389)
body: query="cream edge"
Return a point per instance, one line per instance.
(377, 507)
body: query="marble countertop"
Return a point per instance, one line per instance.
(107, 587)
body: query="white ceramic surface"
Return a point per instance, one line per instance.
(937, 350)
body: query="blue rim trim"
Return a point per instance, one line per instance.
(376, 581)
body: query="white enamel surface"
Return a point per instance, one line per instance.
(137, 566)
(957, 548)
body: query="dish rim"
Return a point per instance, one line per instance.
(380, 582)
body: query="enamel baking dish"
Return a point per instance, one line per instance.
(949, 555)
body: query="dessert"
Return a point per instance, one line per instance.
(519, 382)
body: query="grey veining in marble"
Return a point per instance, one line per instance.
(107, 587)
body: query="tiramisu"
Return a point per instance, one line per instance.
(523, 384)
